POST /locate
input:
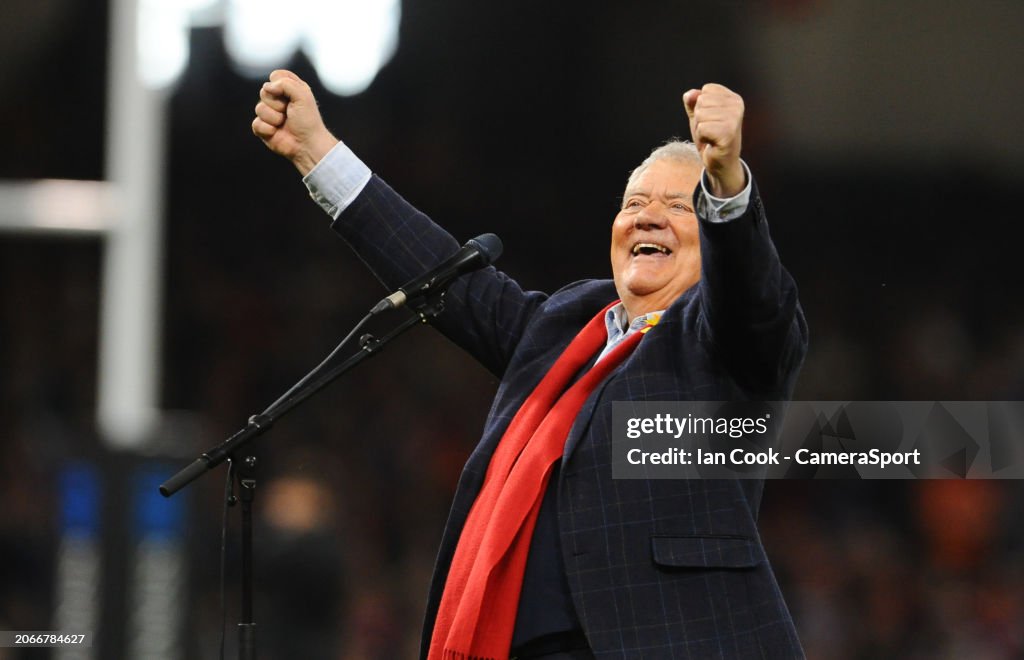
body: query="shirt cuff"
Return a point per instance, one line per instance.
(337, 179)
(719, 209)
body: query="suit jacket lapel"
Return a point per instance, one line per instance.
(582, 422)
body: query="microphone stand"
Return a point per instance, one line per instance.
(258, 425)
(246, 473)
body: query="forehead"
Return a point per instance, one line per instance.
(666, 175)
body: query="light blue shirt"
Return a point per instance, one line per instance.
(616, 324)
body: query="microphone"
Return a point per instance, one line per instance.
(475, 254)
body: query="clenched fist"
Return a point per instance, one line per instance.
(716, 123)
(289, 122)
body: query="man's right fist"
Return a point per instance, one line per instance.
(289, 122)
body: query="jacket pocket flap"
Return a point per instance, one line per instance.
(706, 551)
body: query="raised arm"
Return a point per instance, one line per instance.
(485, 312)
(749, 300)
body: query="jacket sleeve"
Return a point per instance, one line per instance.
(485, 312)
(749, 305)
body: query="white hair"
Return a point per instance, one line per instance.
(682, 151)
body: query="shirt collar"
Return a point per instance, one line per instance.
(615, 321)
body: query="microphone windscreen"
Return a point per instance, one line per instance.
(489, 245)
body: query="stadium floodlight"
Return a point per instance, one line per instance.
(348, 41)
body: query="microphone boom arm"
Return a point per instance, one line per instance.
(259, 424)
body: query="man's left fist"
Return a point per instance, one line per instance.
(716, 124)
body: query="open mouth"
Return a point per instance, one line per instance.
(650, 249)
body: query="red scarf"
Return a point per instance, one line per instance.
(478, 608)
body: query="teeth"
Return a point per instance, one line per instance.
(650, 246)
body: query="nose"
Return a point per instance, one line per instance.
(651, 216)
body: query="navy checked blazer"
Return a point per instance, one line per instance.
(659, 568)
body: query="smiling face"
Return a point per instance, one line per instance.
(655, 242)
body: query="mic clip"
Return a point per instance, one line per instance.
(425, 305)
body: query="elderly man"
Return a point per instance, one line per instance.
(545, 555)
